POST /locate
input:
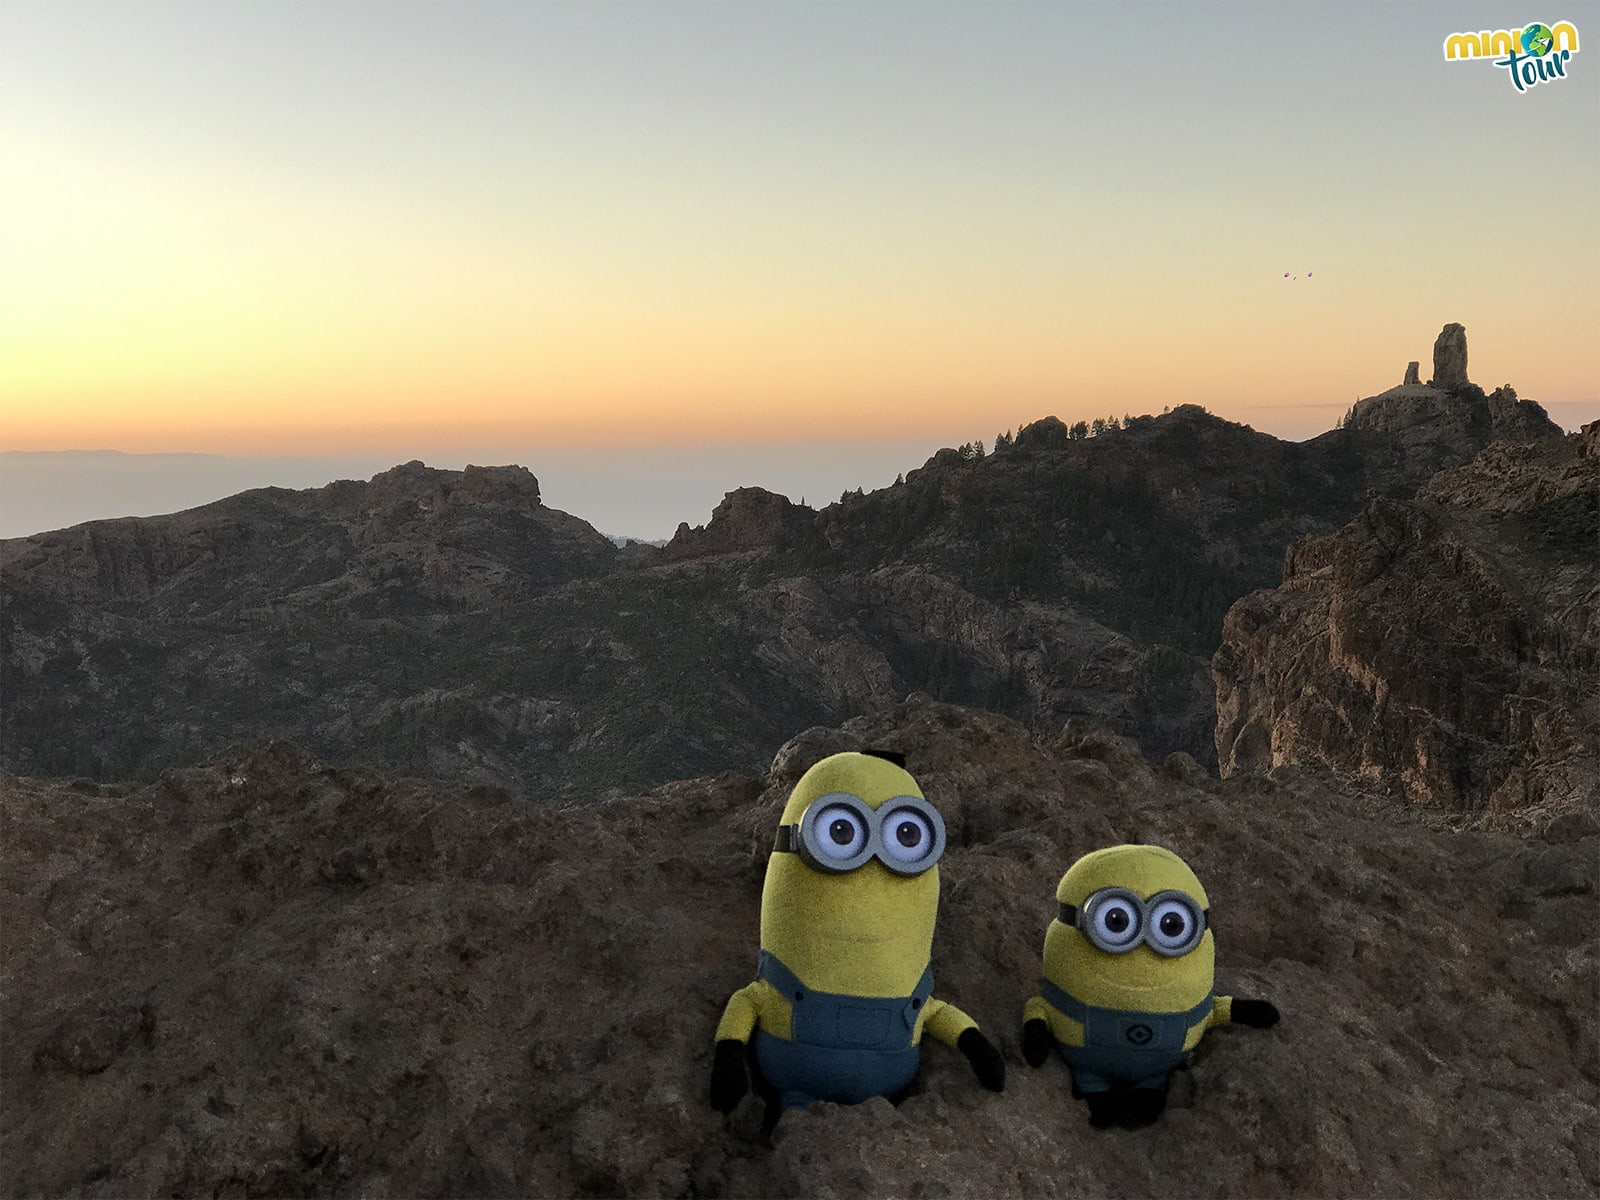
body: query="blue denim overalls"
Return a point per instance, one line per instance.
(841, 1048)
(1137, 1048)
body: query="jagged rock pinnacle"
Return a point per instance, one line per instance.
(1450, 357)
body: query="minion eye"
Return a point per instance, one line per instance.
(1175, 926)
(841, 834)
(1114, 924)
(907, 836)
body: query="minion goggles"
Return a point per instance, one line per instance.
(1116, 920)
(840, 832)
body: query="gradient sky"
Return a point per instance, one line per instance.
(442, 230)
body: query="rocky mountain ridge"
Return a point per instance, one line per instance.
(481, 534)
(265, 976)
(449, 623)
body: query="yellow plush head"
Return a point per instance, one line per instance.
(832, 910)
(1139, 938)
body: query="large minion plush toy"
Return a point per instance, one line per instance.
(1127, 988)
(844, 990)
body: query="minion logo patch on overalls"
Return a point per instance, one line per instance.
(844, 987)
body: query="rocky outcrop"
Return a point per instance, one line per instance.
(1449, 423)
(1424, 428)
(1446, 649)
(264, 976)
(1411, 375)
(418, 486)
(749, 518)
(1514, 420)
(1450, 358)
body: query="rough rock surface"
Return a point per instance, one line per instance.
(1450, 357)
(264, 977)
(1445, 648)
(1411, 374)
(1432, 427)
(749, 518)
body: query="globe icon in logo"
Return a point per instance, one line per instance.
(1536, 40)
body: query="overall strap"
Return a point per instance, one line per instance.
(779, 976)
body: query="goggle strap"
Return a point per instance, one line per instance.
(785, 842)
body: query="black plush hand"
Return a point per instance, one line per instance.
(1037, 1042)
(730, 1078)
(1259, 1014)
(987, 1064)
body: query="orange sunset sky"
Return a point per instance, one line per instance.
(434, 230)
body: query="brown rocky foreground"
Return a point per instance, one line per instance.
(265, 977)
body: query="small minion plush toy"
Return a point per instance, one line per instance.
(1127, 988)
(844, 990)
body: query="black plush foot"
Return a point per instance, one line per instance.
(1144, 1106)
(987, 1063)
(1105, 1109)
(730, 1078)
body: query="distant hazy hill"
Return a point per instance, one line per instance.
(451, 623)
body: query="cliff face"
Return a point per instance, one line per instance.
(1446, 648)
(267, 977)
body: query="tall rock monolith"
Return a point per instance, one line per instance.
(1450, 357)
